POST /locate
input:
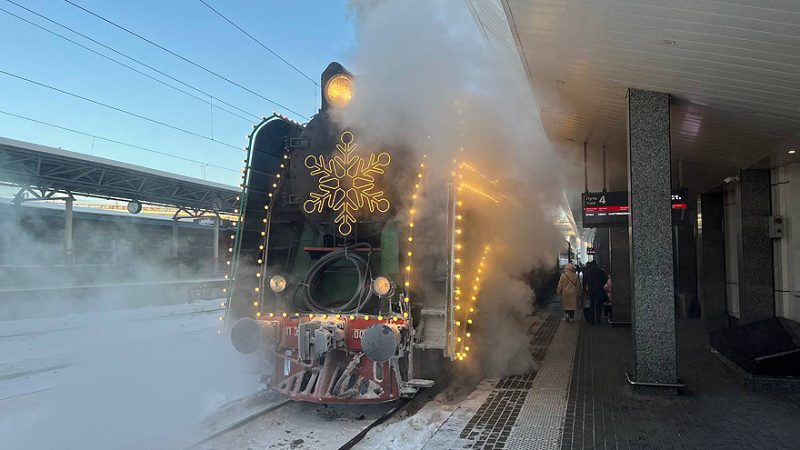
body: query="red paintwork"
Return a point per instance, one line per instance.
(333, 362)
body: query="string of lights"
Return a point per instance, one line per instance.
(458, 260)
(208, 101)
(114, 141)
(235, 239)
(264, 46)
(463, 311)
(477, 172)
(478, 191)
(262, 257)
(115, 108)
(185, 59)
(474, 294)
(410, 253)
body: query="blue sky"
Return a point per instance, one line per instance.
(309, 34)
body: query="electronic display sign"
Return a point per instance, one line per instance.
(605, 209)
(610, 209)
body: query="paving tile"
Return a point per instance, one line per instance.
(716, 412)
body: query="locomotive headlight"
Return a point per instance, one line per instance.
(277, 283)
(382, 286)
(339, 90)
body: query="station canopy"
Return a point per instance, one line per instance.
(46, 168)
(732, 69)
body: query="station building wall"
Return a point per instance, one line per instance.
(786, 251)
(733, 234)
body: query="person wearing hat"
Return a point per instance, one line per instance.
(569, 288)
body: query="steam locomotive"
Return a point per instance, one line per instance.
(351, 270)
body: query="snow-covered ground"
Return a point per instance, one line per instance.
(155, 378)
(301, 426)
(117, 380)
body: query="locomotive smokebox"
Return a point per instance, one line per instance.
(248, 335)
(380, 342)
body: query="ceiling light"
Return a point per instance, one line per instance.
(792, 152)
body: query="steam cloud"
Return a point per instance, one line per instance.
(429, 80)
(125, 381)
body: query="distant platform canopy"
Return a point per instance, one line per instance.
(40, 167)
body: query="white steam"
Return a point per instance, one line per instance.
(118, 368)
(428, 79)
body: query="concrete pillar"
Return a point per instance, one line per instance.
(216, 244)
(711, 240)
(650, 225)
(620, 275)
(174, 238)
(69, 256)
(756, 297)
(6, 226)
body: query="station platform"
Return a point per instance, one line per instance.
(579, 398)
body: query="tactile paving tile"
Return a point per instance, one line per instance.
(540, 423)
(492, 424)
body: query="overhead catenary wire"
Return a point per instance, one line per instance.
(115, 108)
(183, 58)
(114, 141)
(130, 58)
(253, 116)
(254, 39)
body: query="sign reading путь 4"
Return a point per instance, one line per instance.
(605, 209)
(610, 209)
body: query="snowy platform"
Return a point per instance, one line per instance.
(124, 379)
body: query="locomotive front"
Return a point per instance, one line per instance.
(319, 267)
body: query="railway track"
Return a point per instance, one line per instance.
(383, 418)
(302, 411)
(141, 319)
(238, 424)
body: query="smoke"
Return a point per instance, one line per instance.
(117, 368)
(428, 79)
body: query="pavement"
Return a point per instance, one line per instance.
(578, 398)
(717, 410)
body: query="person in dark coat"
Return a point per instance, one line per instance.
(594, 281)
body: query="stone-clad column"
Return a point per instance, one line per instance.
(649, 187)
(713, 308)
(756, 301)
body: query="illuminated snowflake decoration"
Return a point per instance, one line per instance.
(347, 183)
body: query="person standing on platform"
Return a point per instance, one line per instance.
(608, 310)
(569, 288)
(594, 281)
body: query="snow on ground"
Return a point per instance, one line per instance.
(439, 421)
(118, 379)
(301, 426)
(412, 432)
(69, 321)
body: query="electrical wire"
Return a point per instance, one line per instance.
(114, 141)
(183, 58)
(124, 111)
(264, 46)
(254, 116)
(127, 66)
(363, 290)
